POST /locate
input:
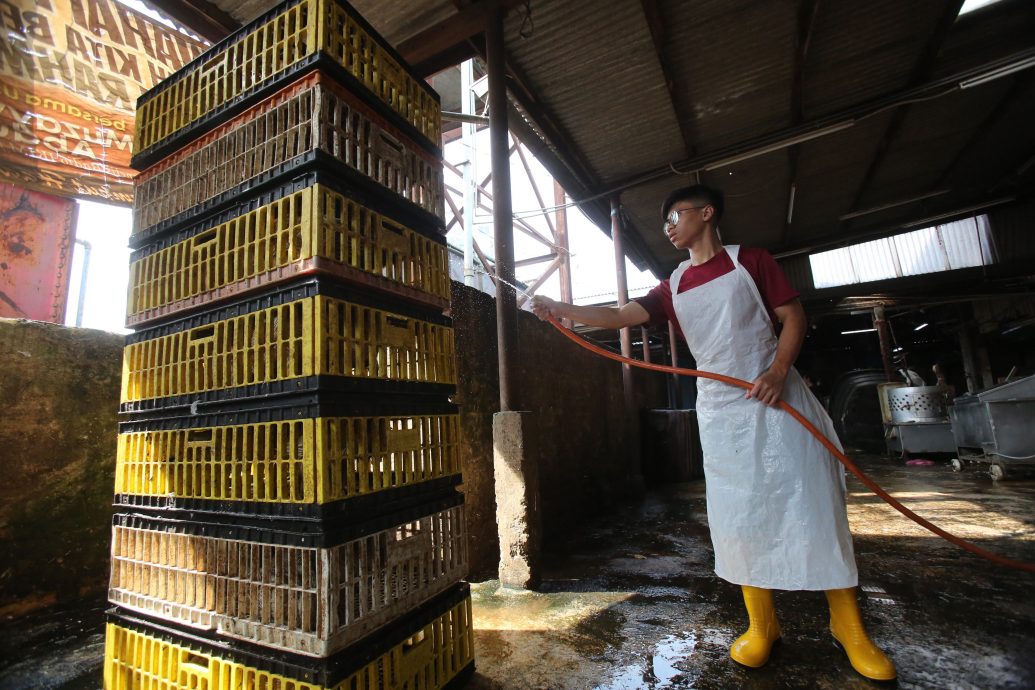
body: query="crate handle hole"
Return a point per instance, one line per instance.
(414, 642)
(202, 333)
(199, 436)
(197, 660)
(391, 141)
(205, 237)
(397, 229)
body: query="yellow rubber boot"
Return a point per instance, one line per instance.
(847, 628)
(752, 648)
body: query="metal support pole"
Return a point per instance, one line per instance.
(632, 439)
(970, 369)
(674, 356)
(985, 367)
(645, 337)
(881, 324)
(506, 300)
(84, 272)
(625, 336)
(469, 133)
(561, 225)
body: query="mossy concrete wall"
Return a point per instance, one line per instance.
(59, 393)
(588, 445)
(59, 390)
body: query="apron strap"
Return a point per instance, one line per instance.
(677, 275)
(734, 252)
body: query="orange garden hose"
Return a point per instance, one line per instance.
(849, 465)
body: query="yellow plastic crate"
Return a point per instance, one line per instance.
(284, 589)
(299, 338)
(310, 122)
(298, 463)
(279, 45)
(314, 229)
(432, 651)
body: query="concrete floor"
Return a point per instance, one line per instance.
(633, 603)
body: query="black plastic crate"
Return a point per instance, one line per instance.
(310, 121)
(280, 45)
(317, 224)
(349, 458)
(315, 335)
(138, 649)
(311, 593)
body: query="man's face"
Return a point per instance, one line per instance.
(686, 221)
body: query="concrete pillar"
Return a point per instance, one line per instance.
(516, 468)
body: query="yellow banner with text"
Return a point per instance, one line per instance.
(70, 75)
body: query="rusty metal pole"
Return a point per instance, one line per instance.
(645, 338)
(881, 324)
(632, 440)
(677, 391)
(502, 209)
(625, 335)
(623, 285)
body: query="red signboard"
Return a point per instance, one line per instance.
(36, 232)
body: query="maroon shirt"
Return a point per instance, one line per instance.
(772, 284)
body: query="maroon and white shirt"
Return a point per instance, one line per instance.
(772, 284)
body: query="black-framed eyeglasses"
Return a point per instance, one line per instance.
(673, 216)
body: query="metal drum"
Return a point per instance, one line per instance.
(913, 404)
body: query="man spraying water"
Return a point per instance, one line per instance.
(776, 497)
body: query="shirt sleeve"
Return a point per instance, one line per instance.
(658, 303)
(772, 282)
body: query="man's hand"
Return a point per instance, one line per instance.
(768, 387)
(543, 307)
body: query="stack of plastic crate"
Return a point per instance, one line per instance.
(288, 462)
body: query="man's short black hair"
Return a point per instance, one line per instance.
(700, 193)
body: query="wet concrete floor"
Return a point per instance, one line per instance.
(632, 603)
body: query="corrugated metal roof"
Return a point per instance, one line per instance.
(830, 174)
(861, 50)
(594, 70)
(397, 21)
(597, 73)
(731, 67)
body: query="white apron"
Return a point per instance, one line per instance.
(776, 496)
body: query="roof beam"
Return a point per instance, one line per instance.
(812, 129)
(807, 13)
(446, 43)
(1020, 85)
(921, 218)
(657, 33)
(921, 72)
(201, 17)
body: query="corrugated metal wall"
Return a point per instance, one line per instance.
(799, 272)
(1013, 232)
(1013, 228)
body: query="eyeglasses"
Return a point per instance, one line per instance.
(673, 216)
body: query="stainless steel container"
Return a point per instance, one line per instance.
(1000, 422)
(918, 404)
